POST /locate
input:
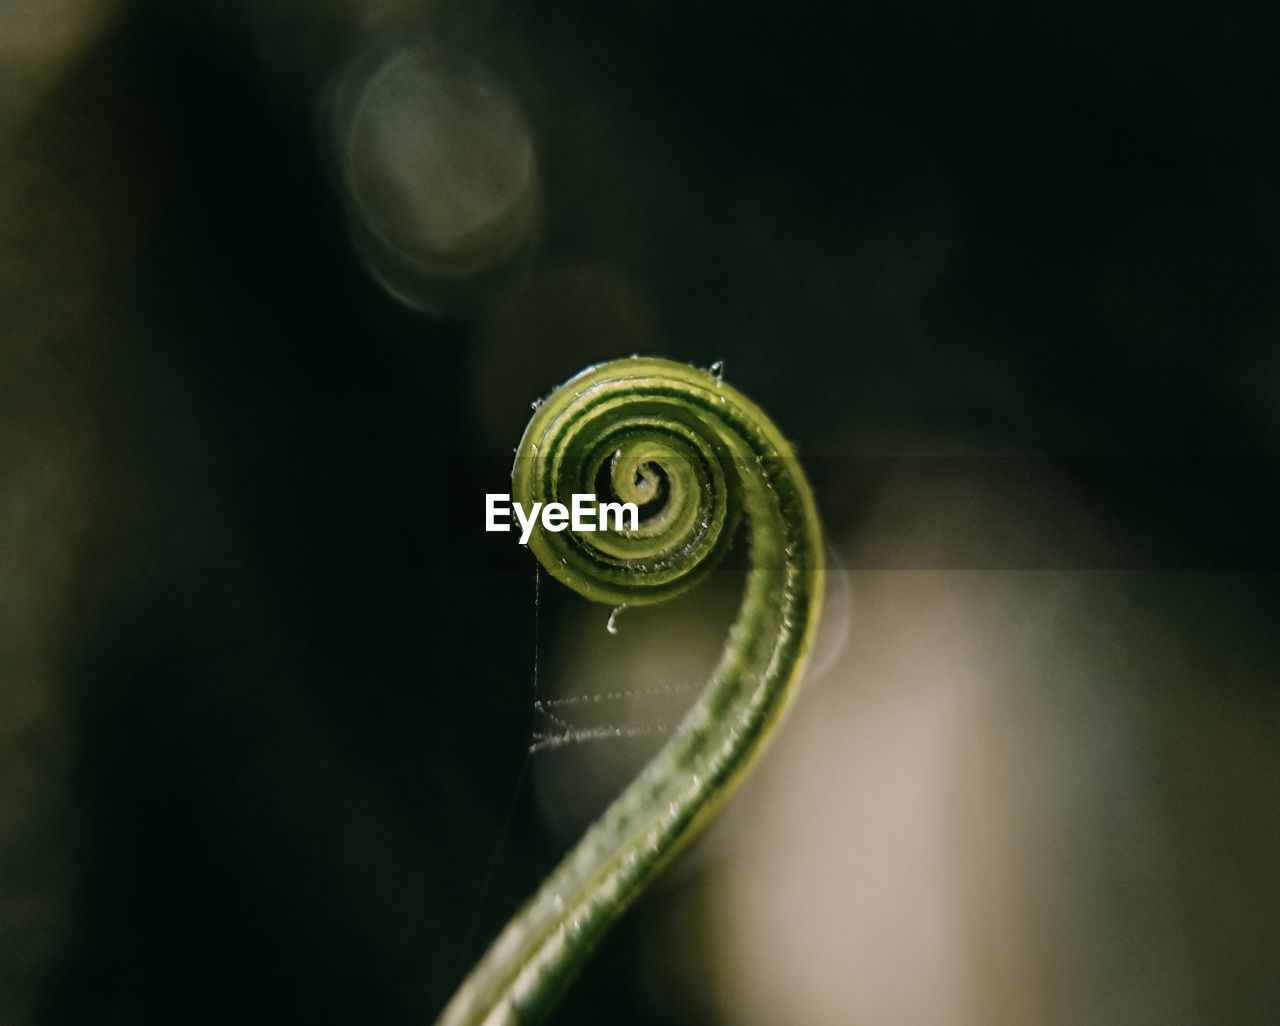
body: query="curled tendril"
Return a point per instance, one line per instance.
(696, 457)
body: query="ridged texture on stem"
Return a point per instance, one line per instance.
(696, 456)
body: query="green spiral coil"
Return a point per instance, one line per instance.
(697, 458)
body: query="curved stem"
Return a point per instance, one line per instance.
(653, 427)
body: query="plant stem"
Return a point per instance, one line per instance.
(646, 430)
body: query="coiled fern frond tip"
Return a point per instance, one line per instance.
(697, 458)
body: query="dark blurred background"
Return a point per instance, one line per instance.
(278, 283)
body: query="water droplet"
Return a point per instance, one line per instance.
(536, 404)
(612, 625)
(534, 447)
(716, 370)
